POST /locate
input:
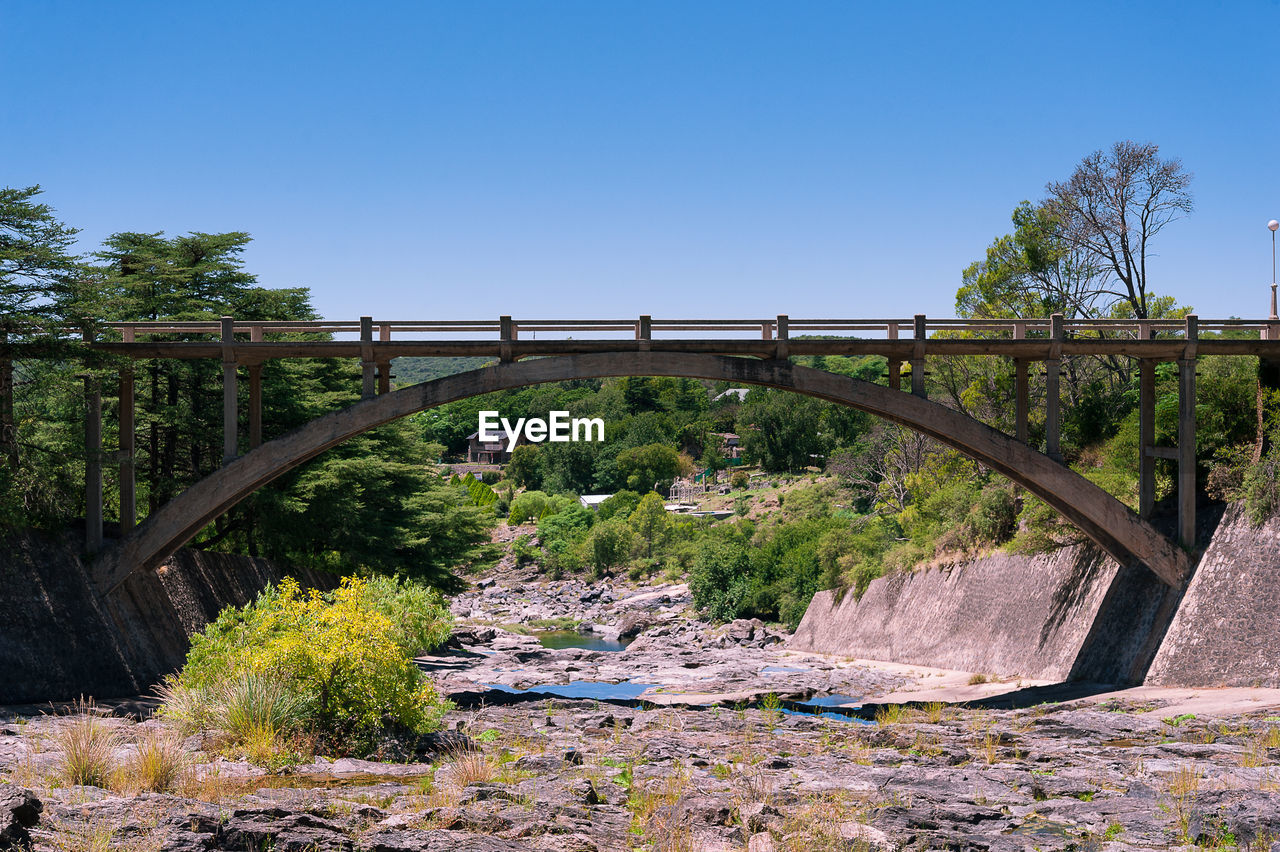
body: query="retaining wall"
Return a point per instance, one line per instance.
(1074, 614)
(59, 641)
(1227, 630)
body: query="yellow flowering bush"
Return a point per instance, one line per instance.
(333, 665)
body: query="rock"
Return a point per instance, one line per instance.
(283, 832)
(19, 811)
(633, 624)
(761, 842)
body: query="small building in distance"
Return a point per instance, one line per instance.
(490, 452)
(593, 501)
(731, 395)
(730, 445)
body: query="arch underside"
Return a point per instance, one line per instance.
(1101, 517)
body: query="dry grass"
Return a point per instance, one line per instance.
(826, 822)
(979, 678)
(656, 813)
(88, 744)
(160, 765)
(471, 767)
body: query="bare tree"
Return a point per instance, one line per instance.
(1112, 206)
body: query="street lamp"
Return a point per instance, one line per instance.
(1272, 226)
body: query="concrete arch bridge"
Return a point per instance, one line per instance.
(639, 348)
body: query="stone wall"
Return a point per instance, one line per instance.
(1227, 630)
(59, 641)
(1071, 614)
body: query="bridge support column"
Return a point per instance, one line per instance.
(782, 351)
(230, 394)
(128, 485)
(92, 465)
(1021, 399)
(368, 382)
(506, 334)
(8, 422)
(1053, 391)
(1187, 437)
(895, 366)
(384, 377)
(1146, 437)
(917, 359)
(255, 406)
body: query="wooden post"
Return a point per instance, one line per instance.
(255, 394)
(1187, 436)
(1146, 437)
(782, 350)
(230, 393)
(92, 465)
(1021, 401)
(368, 383)
(917, 359)
(1052, 373)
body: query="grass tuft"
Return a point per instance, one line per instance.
(88, 746)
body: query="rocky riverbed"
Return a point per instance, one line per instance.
(697, 752)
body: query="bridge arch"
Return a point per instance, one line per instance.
(1108, 522)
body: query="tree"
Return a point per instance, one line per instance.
(1032, 272)
(650, 521)
(36, 271)
(525, 466)
(1113, 205)
(782, 430)
(643, 468)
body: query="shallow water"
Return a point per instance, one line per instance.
(581, 689)
(573, 639)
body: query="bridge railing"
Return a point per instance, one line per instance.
(645, 327)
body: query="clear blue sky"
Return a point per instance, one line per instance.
(419, 160)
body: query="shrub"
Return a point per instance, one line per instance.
(334, 666)
(611, 542)
(620, 505)
(419, 615)
(529, 506)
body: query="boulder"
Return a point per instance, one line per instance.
(19, 811)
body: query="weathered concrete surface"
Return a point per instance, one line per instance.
(59, 640)
(1227, 630)
(1031, 616)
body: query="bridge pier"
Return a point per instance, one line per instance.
(230, 393)
(92, 464)
(1053, 391)
(1187, 437)
(917, 357)
(368, 381)
(128, 482)
(1020, 395)
(1146, 437)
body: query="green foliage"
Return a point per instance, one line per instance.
(650, 522)
(619, 505)
(525, 466)
(652, 465)
(333, 666)
(739, 480)
(611, 542)
(529, 506)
